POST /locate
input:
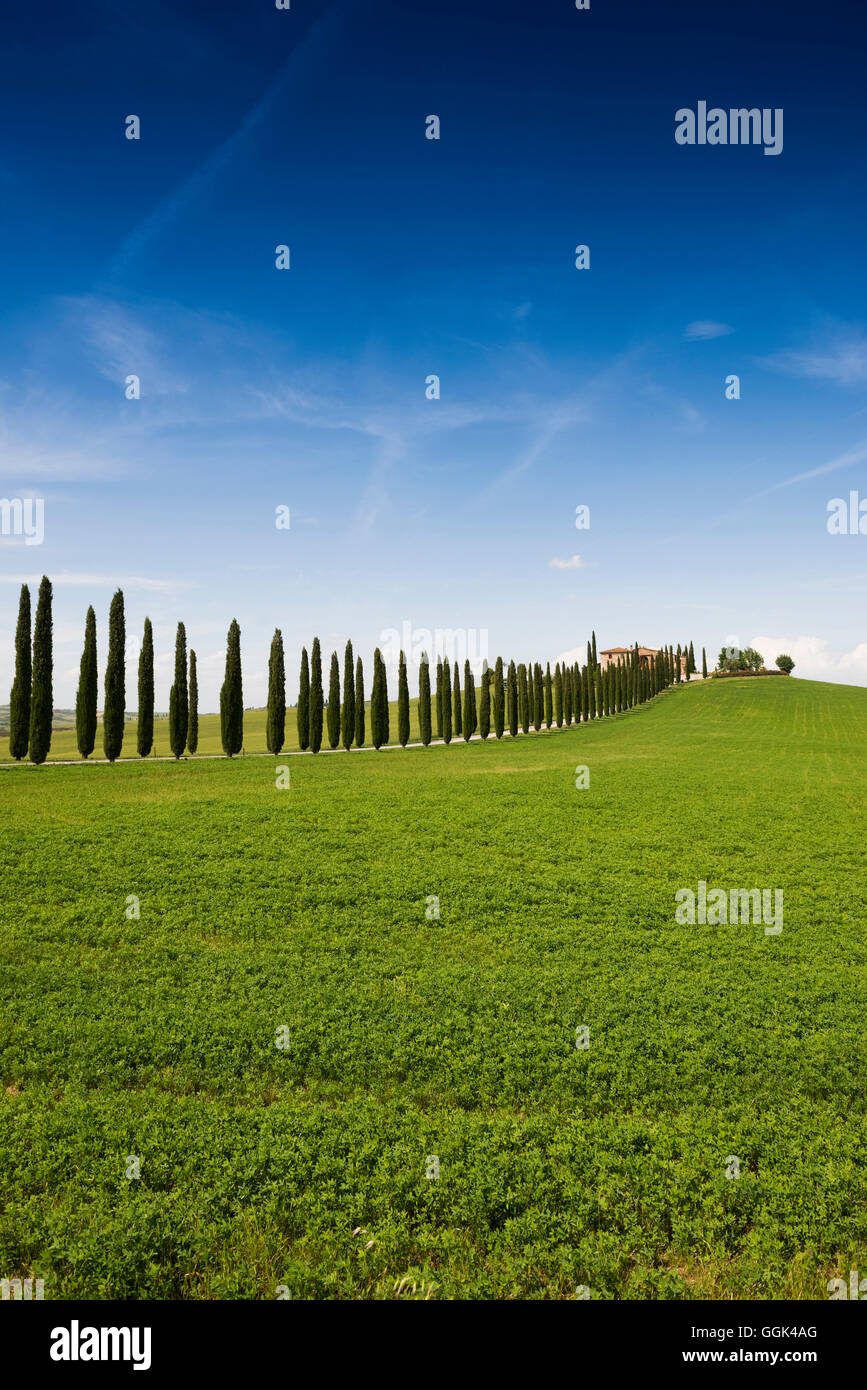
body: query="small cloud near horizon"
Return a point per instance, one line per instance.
(574, 563)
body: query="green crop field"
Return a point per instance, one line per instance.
(304, 1167)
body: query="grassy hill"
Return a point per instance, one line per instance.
(411, 1036)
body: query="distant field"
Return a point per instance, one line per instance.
(411, 1037)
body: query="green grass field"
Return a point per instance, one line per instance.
(305, 908)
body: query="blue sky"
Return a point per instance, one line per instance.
(409, 257)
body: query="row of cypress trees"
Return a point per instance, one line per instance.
(518, 697)
(31, 703)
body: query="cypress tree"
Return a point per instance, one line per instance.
(558, 696)
(317, 698)
(549, 697)
(402, 704)
(600, 698)
(469, 703)
(704, 664)
(42, 692)
(539, 694)
(304, 703)
(88, 686)
(179, 699)
(521, 677)
(439, 698)
(447, 702)
(145, 732)
(458, 722)
(499, 699)
(424, 719)
(378, 698)
(333, 719)
(577, 693)
(385, 711)
(115, 686)
(568, 696)
(485, 703)
(595, 658)
(531, 695)
(232, 696)
(589, 658)
(359, 703)
(19, 700)
(377, 704)
(512, 690)
(193, 730)
(585, 694)
(677, 670)
(347, 721)
(275, 726)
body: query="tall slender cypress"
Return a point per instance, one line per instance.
(402, 703)
(22, 685)
(704, 664)
(558, 696)
(457, 722)
(384, 720)
(88, 687)
(42, 691)
(115, 684)
(378, 703)
(499, 699)
(359, 703)
(232, 696)
(512, 692)
(585, 694)
(469, 703)
(145, 728)
(485, 703)
(523, 699)
(549, 696)
(317, 698)
(447, 702)
(179, 697)
(439, 698)
(275, 725)
(568, 696)
(333, 720)
(539, 696)
(595, 657)
(577, 693)
(304, 702)
(424, 718)
(193, 728)
(531, 694)
(347, 720)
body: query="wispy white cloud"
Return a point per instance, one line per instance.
(573, 563)
(706, 328)
(847, 460)
(840, 356)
